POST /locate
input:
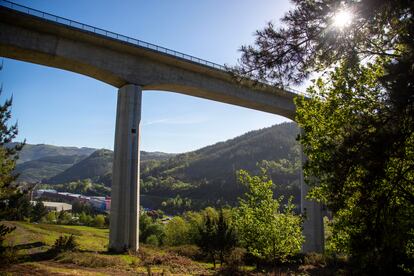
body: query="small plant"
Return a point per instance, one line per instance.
(65, 243)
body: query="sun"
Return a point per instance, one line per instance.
(342, 19)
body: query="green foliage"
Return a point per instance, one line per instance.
(265, 231)
(85, 219)
(370, 187)
(85, 187)
(18, 207)
(358, 119)
(4, 231)
(209, 173)
(152, 240)
(65, 243)
(8, 152)
(176, 232)
(148, 227)
(64, 217)
(216, 237)
(51, 217)
(99, 221)
(38, 211)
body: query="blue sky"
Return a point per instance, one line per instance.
(57, 107)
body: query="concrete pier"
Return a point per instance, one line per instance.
(313, 229)
(124, 217)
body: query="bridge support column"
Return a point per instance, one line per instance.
(313, 229)
(124, 217)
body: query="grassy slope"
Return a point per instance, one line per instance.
(33, 240)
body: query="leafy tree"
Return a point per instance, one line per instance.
(265, 231)
(176, 231)
(370, 187)
(150, 228)
(359, 120)
(38, 211)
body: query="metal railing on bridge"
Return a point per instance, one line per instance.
(120, 37)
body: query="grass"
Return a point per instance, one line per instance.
(34, 240)
(88, 238)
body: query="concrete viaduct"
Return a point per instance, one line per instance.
(133, 66)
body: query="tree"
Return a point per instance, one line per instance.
(370, 196)
(38, 211)
(207, 238)
(216, 237)
(176, 232)
(266, 232)
(8, 152)
(358, 121)
(150, 231)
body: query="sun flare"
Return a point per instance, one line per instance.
(342, 19)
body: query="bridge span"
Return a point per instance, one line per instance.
(132, 66)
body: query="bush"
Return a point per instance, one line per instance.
(152, 240)
(99, 221)
(177, 264)
(8, 256)
(65, 243)
(177, 232)
(189, 251)
(236, 258)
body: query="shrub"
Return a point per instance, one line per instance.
(189, 251)
(65, 243)
(99, 221)
(236, 258)
(176, 232)
(8, 256)
(152, 240)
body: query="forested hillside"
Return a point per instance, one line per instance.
(204, 176)
(46, 167)
(210, 173)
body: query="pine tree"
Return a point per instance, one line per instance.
(38, 211)
(8, 152)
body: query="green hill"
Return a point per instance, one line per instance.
(46, 167)
(207, 175)
(210, 173)
(33, 152)
(98, 167)
(95, 166)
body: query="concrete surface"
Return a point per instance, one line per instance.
(124, 218)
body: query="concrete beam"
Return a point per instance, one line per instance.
(124, 217)
(33, 39)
